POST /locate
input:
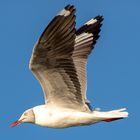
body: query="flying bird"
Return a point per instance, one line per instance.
(59, 61)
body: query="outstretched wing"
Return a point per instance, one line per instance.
(59, 59)
(86, 38)
(52, 62)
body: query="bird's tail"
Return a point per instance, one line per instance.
(116, 115)
(112, 115)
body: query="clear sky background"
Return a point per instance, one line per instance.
(113, 68)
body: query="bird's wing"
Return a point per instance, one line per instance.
(86, 38)
(53, 65)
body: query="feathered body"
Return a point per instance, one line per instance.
(55, 117)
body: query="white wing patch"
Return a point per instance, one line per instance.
(92, 21)
(64, 12)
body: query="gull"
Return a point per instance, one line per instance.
(59, 61)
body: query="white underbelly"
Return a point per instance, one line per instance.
(66, 119)
(60, 117)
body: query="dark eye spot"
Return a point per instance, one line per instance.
(25, 113)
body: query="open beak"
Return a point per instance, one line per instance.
(16, 123)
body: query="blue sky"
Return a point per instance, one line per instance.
(113, 68)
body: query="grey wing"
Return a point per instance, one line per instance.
(53, 65)
(85, 41)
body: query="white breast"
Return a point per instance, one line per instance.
(59, 118)
(50, 116)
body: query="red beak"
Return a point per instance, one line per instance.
(15, 123)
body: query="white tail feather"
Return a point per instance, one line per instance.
(114, 114)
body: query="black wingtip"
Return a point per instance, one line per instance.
(69, 7)
(99, 18)
(93, 28)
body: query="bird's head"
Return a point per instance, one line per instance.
(27, 117)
